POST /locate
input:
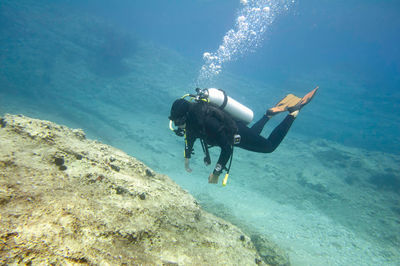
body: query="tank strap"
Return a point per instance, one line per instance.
(225, 100)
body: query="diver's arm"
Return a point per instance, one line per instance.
(224, 142)
(189, 142)
(224, 156)
(226, 152)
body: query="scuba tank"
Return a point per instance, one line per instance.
(219, 99)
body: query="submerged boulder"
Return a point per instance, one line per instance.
(63, 202)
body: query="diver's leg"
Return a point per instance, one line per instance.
(282, 106)
(254, 142)
(279, 133)
(259, 125)
(251, 138)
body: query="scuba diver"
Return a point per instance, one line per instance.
(218, 120)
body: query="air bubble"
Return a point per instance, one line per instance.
(253, 20)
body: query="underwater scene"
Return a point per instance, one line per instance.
(329, 194)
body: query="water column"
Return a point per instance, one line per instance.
(252, 22)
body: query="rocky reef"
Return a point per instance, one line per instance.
(65, 199)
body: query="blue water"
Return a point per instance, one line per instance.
(114, 68)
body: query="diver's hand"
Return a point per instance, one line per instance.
(213, 178)
(187, 167)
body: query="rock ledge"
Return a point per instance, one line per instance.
(65, 199)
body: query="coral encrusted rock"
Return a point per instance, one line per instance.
(65, 199)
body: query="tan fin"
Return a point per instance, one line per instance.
(305, 100)
(288, 101)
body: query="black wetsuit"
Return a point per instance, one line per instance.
(219, 130)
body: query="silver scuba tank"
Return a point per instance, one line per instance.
(235, 109)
